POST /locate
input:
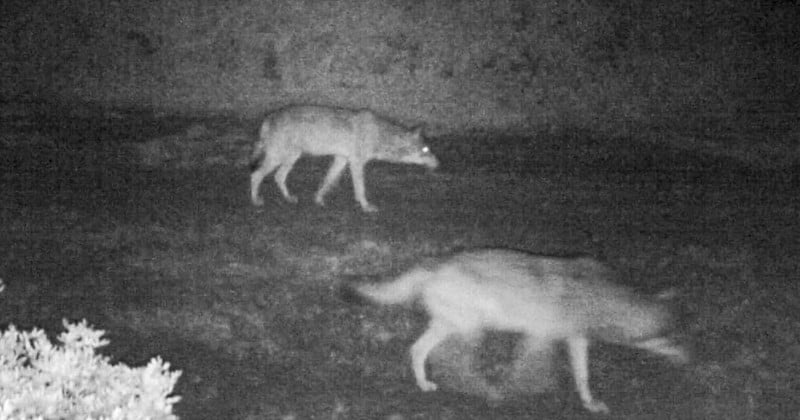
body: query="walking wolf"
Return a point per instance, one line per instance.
(353, 137)
(547, 299)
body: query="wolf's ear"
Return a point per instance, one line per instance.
(417, 131)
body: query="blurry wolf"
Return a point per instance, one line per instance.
(547, 299)
(353, 137)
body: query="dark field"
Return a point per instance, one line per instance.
(177, 263)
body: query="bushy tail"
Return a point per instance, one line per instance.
(260, 148)
(404, 289)
(259, 152)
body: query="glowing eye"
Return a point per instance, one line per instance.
(426, 149)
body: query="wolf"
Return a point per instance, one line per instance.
(549, 300)
(353, 137)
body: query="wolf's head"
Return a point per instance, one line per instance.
(644, 323)
(408, 146)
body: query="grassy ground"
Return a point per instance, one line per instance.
(176, 262)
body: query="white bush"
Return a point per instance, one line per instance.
(40, 380)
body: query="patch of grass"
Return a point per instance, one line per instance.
(246, 300)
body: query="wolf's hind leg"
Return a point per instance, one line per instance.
(435, 334)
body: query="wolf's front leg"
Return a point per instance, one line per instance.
(332, 177)
(578, 349)
(283, 172)
(357, 173)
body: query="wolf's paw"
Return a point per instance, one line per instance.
(426, 386)
(666, 348)
(257, 201)
(319, 201)
(369, 208)
(291, 199)
(596, 406)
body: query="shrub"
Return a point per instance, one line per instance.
(42, 380)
